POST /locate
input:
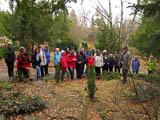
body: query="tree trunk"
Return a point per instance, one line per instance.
(120, 31)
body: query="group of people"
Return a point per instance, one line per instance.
(69, 61)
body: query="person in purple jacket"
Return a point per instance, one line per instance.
(47, 53)
(135, 65)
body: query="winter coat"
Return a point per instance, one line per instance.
(43, 58)
(57, 57)
(47, 53)
(64, 62)
(10, 55)
(87, 54)
(105, 61)
(151, 65)
(126, 60)
(35, 60)
(22, 62)
(90, 61)
(111, 61)
(83, 58)
(98, 61)
(117, 60)
(79, 59)
(71, 63)
(135, 65)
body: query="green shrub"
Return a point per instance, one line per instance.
(58, 71)
(5, 85)
(91, 82)
(111, 76)
(3, 51)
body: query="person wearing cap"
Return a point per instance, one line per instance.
(125, 61)
(72, 59)
(47, 53)
(151, 65)
(57, 56)
(10, 58)
(117, 60)
(79, 65)
(105, 61)
(135, 65)
(64, 66)
(43, 61)
(98, 62)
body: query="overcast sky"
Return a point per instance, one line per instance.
(89, 6)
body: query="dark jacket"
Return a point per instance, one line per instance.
(111, 61)
(117, 60)
(10, 55)
(105, 61)
(36, 60)
(79, 59)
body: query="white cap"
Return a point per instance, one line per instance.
(9, 43)
(104, 51)
(62, 51)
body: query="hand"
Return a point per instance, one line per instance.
(80, 62)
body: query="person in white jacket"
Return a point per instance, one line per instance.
(98, 62)
(43, 61)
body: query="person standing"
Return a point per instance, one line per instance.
(83, 59)
(111, 62)
(57, 56)
(90, 60)
(117, 63)
(79, 65)
(10, 59)
(47, 54)
(105, 61)
(64, 66)
(87, 54)
(125, 61)
(72, 59)
(135, 65)
(36, 61)
(98, 62)
(151, 65)
(43, 61)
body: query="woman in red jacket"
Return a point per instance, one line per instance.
(72, 59)
(23, 64)
(64, 65)
(90, 60)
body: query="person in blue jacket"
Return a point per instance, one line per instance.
(135, 65)
(57, 56)
(47, 53)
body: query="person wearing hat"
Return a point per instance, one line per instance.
(105, 61)
(151, 65)
(72, 59)
(64, 66)
(47, 53)
(125, 61)
(10, 58)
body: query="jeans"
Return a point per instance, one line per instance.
(71, 70)
(38, 71)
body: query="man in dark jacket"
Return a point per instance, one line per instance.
(10, 59)
(117, 63)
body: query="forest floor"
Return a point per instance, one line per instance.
(69, 100)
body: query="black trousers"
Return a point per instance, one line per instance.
(46, 69)
(71, 70)
(42, 71)
(10, 66)
(23, 73)
(105, 68)
(98, 71)
(79, 71)
(117, 69)
(83, 64)
(110, 68)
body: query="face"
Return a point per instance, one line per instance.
(9, 45)
(57, 50)
(125, 49)
(47, 48)
(151, 58)
(88, 49)
(67, 50)
(37, 50)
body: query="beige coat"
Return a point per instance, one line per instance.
(127, 61)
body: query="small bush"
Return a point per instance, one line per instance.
(3, 51)
(111, 76)
(91, 82)
(58, 71)
(5, 85)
